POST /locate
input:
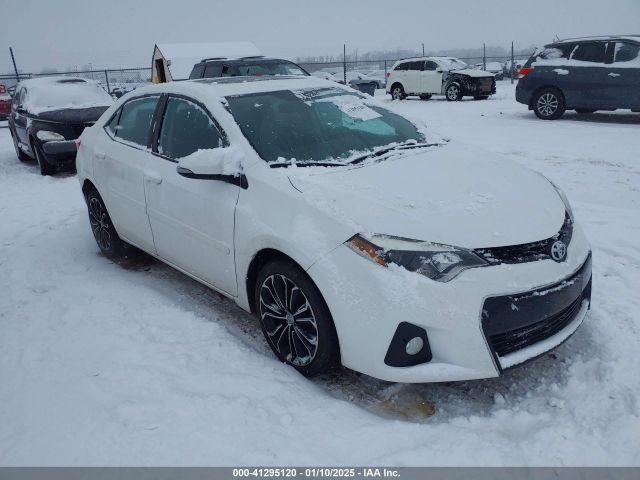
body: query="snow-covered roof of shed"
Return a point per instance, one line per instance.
(184, 56)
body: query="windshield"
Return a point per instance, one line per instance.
(270, 68)
(453, 64)
(317, 125)
(71, 94)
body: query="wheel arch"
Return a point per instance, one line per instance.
(396, 84)
(543, 87)
(259, 260)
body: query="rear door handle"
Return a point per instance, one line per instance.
(614, 74)
(151, 177)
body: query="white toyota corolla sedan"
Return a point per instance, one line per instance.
(354, 235)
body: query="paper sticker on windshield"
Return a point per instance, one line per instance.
(359, 111)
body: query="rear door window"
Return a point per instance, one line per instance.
(415, 65)
(430, 65)
(134, 122)
(594, 52)
(187, 128)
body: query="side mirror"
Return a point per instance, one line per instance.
(20, 110)
(439, 70)
(222, 164)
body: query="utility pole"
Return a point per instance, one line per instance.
(15, 69)
(344, 63)
(423, 49)
(484, 57)
(513, 67)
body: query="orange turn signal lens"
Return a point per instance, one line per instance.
(367, 249)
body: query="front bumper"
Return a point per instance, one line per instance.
(368, 302)
(63, 147)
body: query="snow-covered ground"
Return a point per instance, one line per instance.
(136, 364)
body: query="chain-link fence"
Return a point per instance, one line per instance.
(501, 66)
(116, 82)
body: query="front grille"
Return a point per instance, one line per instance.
(527, 252)
(512, 322)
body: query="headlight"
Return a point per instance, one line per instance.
(436, 261)
(47, 136)
(565, 200)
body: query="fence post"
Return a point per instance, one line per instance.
(484, 56)
(513, 67)
(344, 62)
(15, 69)
(106, 77)
(385, 71)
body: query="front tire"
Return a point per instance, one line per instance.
(295, 319)
(110, 244)
(45, 167)
(453, 92)
(548, 104)
(397, 92)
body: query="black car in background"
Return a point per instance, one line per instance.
(48, 114)
(246, 66)
(582, 74)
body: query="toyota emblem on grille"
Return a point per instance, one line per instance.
(558, 251)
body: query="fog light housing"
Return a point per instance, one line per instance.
(409, 346)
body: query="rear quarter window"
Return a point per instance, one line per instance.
(197, 72)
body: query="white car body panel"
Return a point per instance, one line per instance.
(213, 230)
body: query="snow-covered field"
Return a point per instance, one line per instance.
(136, 364)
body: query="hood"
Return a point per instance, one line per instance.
(446, 194)
(72, 115)
(473, 73)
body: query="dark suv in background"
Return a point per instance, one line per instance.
(582, 74)
(247, 66)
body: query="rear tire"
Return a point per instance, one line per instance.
(45, 167)
(110, 244)
(548, 104)
(453, 92)
(397, 92)
(295, 319)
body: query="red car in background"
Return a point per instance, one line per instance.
(5, 103)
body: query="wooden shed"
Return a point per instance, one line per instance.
(174, 61)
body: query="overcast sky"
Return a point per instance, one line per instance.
(62, 33)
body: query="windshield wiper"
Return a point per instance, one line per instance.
(382, 151)
(306, 164)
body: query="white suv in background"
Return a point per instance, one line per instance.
(427, 76)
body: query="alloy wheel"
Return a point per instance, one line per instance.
(288, 320)
(397, 94)
(100, 224)
(547, 104)
(452, 92)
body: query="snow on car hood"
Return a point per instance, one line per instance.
(444, 194)
(473, 73)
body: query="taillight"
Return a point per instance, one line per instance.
(524, 70)
(388, 74)
(77, 142)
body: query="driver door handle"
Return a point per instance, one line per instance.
(151, 177)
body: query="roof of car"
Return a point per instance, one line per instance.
(431, 57)
(48, 80)
(633, 37)
(226, 86)
(252, 59)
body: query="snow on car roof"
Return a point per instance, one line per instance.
(225, 86)
(633, 37)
